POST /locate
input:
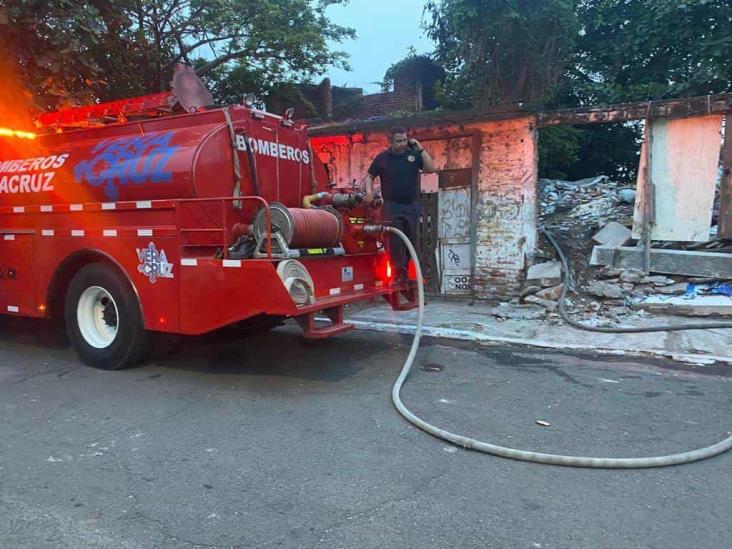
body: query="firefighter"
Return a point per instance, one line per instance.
(398, 169)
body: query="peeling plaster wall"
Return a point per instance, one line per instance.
(507, 210)
(507, 175)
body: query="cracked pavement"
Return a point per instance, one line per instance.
(269, 441)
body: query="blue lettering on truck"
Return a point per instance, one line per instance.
(121, 161)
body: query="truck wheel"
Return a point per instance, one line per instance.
(103, 319)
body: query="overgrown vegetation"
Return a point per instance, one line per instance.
(567, 53)
(558, 53)
(87, 50)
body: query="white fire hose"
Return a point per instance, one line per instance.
(512, 453)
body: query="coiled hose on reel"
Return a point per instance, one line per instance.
(513, 453)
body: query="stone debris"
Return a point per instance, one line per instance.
(604, 289)
(657, 280)
(544, 274)
(579, 208)
(706, 305)
(552, 293)
(631, 276)
(613, 234)
(627, 195)
(599, 211)
(673, 289)
(529, 289)
(507, 311)
(547, 304)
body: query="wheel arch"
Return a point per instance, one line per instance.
(68, 267)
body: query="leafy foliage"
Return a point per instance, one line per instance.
(502, 51)
(651, 49)
(576, 152)
(582, 52)
(65, 50)
(559, 148)
(104, 49)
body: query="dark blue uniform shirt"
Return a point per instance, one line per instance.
(399, 174)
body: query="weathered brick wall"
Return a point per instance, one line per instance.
(507, 175)
(507, 207)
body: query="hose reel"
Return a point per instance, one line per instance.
(296, 228)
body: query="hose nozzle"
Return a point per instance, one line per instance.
(373, 229)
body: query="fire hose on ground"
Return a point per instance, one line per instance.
(513, 453)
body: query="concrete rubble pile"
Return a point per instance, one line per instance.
(572, 208)
(598, 211)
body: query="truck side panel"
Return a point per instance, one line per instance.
(150, 263)
(17, 287)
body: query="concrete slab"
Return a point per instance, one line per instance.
(679, 262)
(703, 305)
(545, 274)
(458, 320)
(613, 234)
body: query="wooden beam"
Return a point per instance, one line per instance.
(676, 262)
(724, 229)
(663, 108)
(666, 108)
(424, 120)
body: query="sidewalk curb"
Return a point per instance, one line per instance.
(467, 335)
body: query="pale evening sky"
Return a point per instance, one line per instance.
(385, 29)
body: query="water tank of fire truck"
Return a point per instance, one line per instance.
(144, 149)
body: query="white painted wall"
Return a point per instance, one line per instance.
(683, 170)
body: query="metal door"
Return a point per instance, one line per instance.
(454, 231)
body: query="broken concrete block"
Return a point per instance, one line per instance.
(544, 274)
(631, 276)
(550, 305)
(706, 305)
(529, 289)
(701, 280)
(627, 196)
(678, 262)
(657, 280)
(552, 294)
(517, 312)
(610, 272)
(678, 289)
(643, 290)
(604, 289)
(613, 234)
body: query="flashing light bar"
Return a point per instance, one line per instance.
(7, 132)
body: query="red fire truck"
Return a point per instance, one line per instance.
(164, 214)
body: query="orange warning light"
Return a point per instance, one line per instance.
(7, 132)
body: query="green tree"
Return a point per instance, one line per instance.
(576, 152)
(60, 46)
(502, 51)
(107, 49)
(650, 49)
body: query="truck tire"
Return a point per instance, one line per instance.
(103, 318)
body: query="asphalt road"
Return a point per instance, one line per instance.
(266, 441)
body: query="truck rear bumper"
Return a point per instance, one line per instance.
(215, 293)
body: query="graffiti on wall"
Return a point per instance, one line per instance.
(499, 208)
(454, 213)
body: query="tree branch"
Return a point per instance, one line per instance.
(208, 67)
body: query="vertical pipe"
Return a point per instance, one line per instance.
(475, 148)
(648, 196)
(724, 229)
(225, 227)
